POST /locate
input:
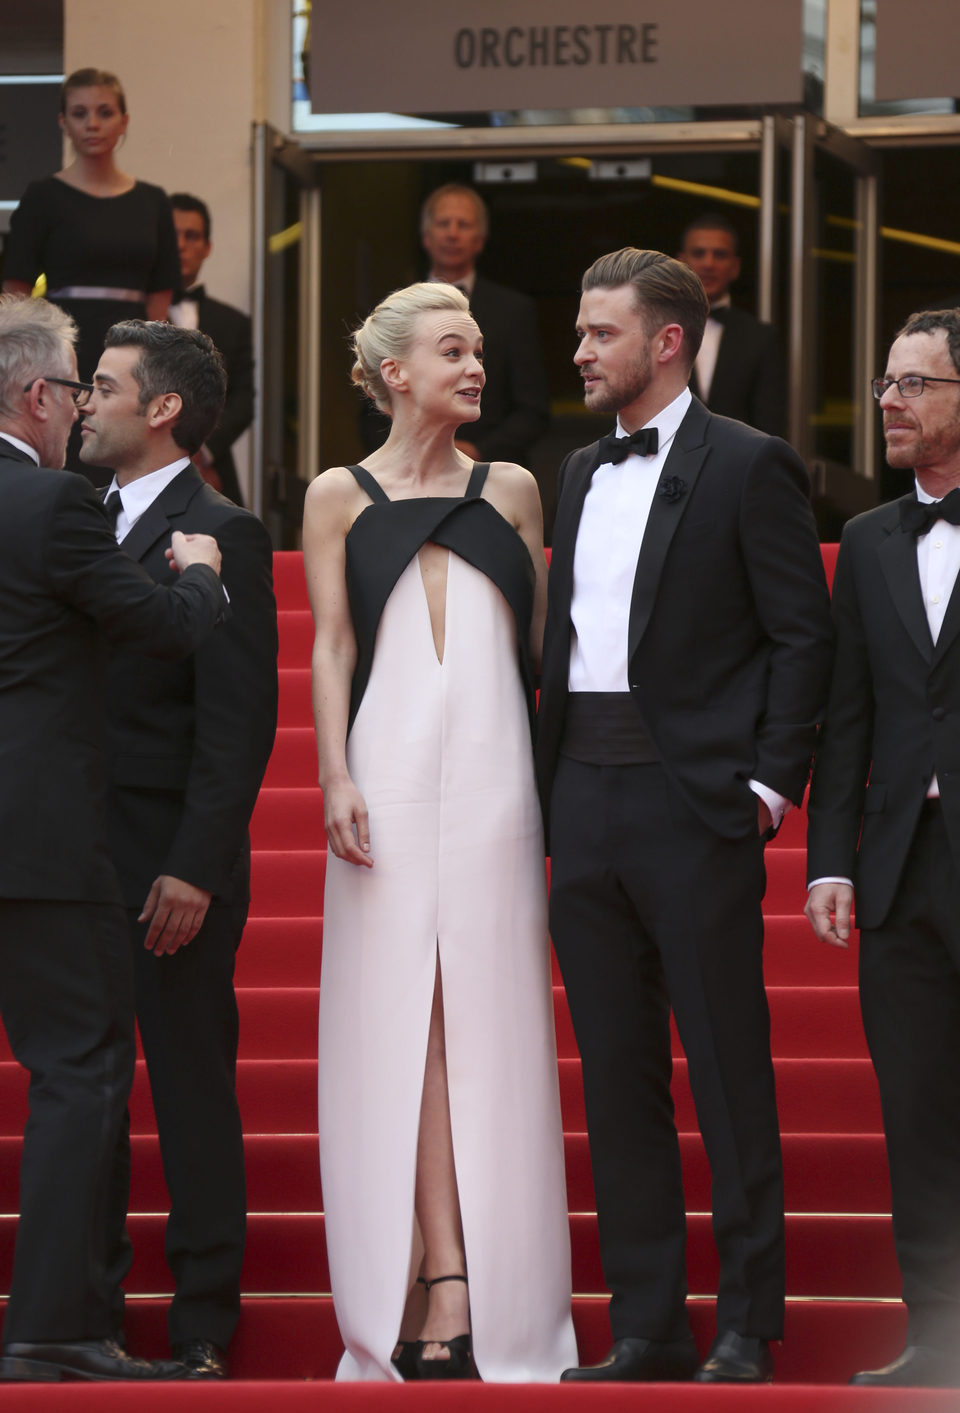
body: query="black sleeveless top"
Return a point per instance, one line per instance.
(386, 535)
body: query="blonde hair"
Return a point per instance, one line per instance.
(390, 329)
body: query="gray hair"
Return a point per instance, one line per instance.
(428, 209)
(36, 339)
(390, 330)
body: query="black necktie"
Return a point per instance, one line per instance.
(719, 312)
(112, 507)
(195, 294)
(917, 518)
(646, 442)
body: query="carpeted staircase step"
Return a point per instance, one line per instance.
(279, 1096)
(282, 1022)
(285, 951)
(289, 816)
(827, 1256)
(289, 882)
(296, 1339)
(823, 1172)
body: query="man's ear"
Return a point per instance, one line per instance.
(164, 410)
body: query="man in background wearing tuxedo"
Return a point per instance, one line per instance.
(66, 987)
(685, 659)
(188, 744)
(738, 371)
(454, 225)
(231, 331)
(884, 815)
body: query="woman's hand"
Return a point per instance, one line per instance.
(347, 823)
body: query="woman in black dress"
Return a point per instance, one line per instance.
(104, 241)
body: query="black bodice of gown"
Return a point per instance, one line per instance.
(387, 534)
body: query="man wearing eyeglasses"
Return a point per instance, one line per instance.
(885, 823)
(66, 980)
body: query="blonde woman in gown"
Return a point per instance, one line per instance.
(441, 1146)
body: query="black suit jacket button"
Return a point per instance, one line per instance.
(938, 713)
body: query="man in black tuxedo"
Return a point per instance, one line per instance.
(739, 370)
(66, 989)
(885, 813)
(230, 330)
(187, 745)
(687, 648)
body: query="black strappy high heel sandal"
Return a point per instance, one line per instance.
(460, 1364)
(404, 1357)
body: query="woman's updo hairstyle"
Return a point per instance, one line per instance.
(390, 330)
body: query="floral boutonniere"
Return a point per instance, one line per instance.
(672, 488)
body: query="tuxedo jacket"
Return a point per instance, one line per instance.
(232, 333)
(748, 381)
(893, 717)
(515, 403)
(188, 742)
(730, 636)
(66, 590)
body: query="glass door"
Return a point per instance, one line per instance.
(833, 317)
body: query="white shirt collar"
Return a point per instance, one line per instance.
(138, 496)
(21, 446)
(667, 420)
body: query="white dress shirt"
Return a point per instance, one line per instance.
(21, 446)
(138, 496)
(612, 526)
(710, 348)
(185, 313)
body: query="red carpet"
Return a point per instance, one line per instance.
(843, 1313)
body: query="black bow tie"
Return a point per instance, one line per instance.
(720, 312)
(917, 518)
(646, 442)
(195, 294)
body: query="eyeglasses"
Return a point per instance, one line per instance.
(911, 386)
(82, 392)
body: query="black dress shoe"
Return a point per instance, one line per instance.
(203, 1358)
(919, 1366)
(736, 1359)
(640, 1361)
(48, 1362)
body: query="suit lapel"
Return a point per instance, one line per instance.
(579, 473)
(684, 460)
(155, 522)
(898, 561)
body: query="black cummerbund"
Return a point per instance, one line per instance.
(604, 728)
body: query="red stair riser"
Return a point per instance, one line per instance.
(298, 1339)
(826, 1256)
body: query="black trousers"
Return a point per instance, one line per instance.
(651, 910)
(189, 1029)
(66, 998)
(910, 998)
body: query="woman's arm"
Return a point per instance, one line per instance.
(515, 494)
(326, 520)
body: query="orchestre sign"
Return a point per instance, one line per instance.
(422, 57)
(919, 59)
